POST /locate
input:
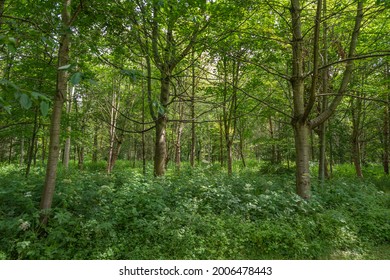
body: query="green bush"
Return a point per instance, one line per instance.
(197, 214)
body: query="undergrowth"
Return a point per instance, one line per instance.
(199, 213)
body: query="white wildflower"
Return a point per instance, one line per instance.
(24, 225)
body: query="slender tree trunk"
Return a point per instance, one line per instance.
(80, 150)
(95, 144)
(2, 2)
(10, 151)
(273, 145)
(160, 155)
(43, 149)
(179, 131)
(386, 123)
(322, 170)
(115, 151)
(32, 144)
(356, 132)
(68, 129)
(80, 154)
(221, 157)
(115, 98)
(241, 135)
(21, 160)
(193, 125)
(55, 125)
(143, 141)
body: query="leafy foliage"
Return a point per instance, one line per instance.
(194, 215)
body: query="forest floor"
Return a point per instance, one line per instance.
(381, 252)
(199, 213)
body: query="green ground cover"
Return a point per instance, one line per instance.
(197, 214)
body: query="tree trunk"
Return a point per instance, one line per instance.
(32, 144)
(179, 131)
(160, 155)
(302, 105)
(10, 151)
(143, 141)
(115, 98)
(160, 147)
(115, 151)
(273, 144)
(55, 124)
(21, 160)
(322, 169)
(221, 157)
(80, 153)
(356, 132)
(43, 149)
(193, 125)
(386, 118)
(241, 135)
(302, 150)
(68, 129)
(95, 144)
(300, 125)
(2, 2)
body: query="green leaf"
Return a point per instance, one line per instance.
(131, 73)
(6, 108)
(65, 67)
(37, 95)
(25, 101)
(76, 78)
(92, 82)
(44, 108)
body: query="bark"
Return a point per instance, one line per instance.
(160, 155)
(114, 108)
(166, 58)
(68, 130)
(322, 169)
(300, 125)
(32, 144)
(95, 144)
(386, 118)
(229, 110)
(21, 160)
(300, 122)
(10, 151)
(302, 150)
(193, 125)
(221, 157)
(115, 151)
(2, 2)
(241, 135)
(143, 141)
(55, 124)
(80, 156)
(179, 131)
(356, 132)
(274, 158)
(347, 72)
(43, 149)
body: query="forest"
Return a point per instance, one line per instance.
(194, 129)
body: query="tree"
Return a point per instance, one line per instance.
(67, 19)
(303, 104)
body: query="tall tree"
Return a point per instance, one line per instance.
(67, 19)
(303, 104)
